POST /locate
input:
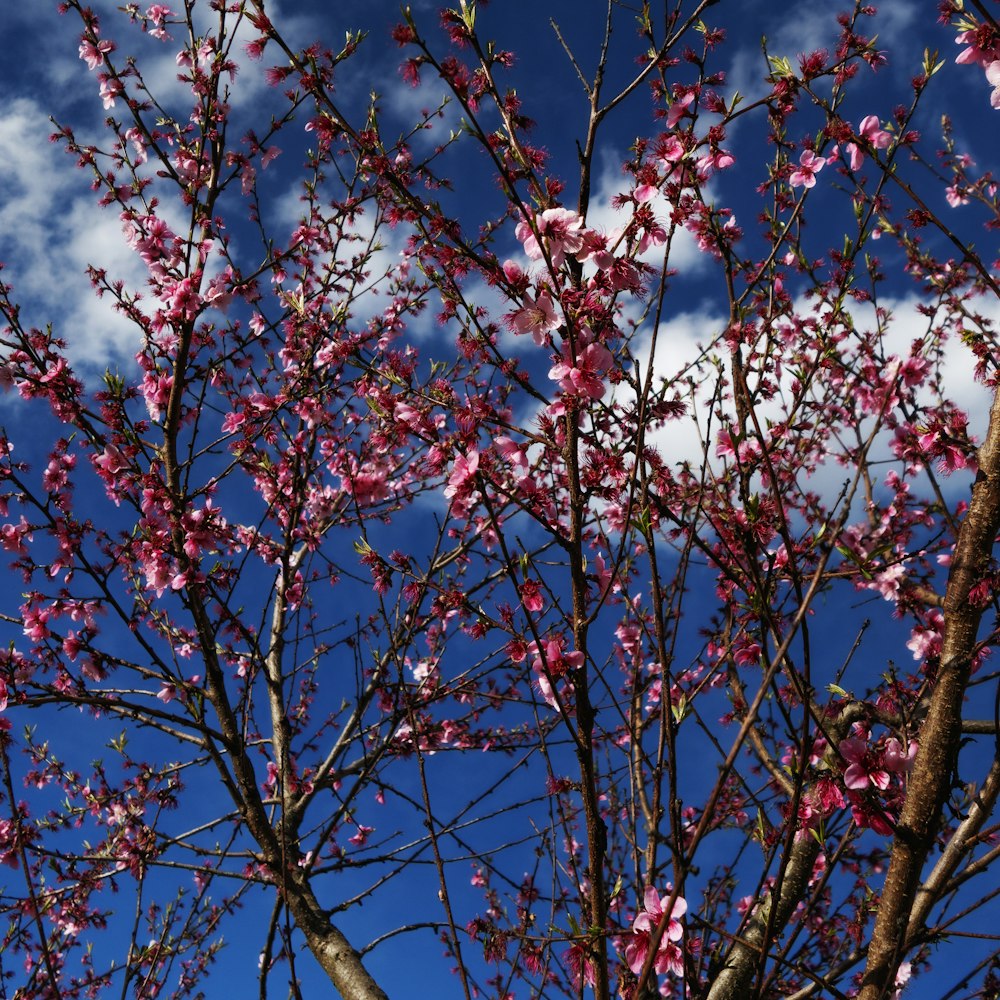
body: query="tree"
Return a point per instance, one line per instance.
(531, 630)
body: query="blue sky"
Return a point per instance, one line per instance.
(51, 229)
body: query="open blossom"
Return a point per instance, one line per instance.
(551, 663)
(993, 76)
(537, 316)
(93, 54)
(111, 461)
(110, 89)
(669, 957)
(955, 196)
(870, 129)
(560, 229)
(679, 108)
(581, 966)
(531, 595)
(809, 165)
(871, 132)
(583, 375)
(872, 765)
(156, 15)
(463, 475)
(512, 451)
(972, 53)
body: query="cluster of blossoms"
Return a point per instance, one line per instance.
(669, 953)
(982, 48)
(811, 163)
(551, 662)
(870, 768)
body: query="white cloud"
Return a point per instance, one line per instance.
(51, 234)
(689, 357)
(604, 217)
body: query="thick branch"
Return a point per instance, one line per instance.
(733, 981)
(937, 757)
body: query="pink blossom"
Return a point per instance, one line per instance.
(463, 474)
(887, 582)
(361, 837)
(110, 89)
(993, 76)
(512, 451)
(864, 764)
(973, 53)
(955, 196)
(134, 136)
(712, 162)
(537, 316)
(550, 664)
(219, 291)
(896, 759)
(653, 235)
(870, 765)
(93, 54)
(561, 231)
(157, 13)
(531, 596)
(671, 152)
(581, 966)
(669, 957)
(367, 485)
(182, 298)
(584, 374)
(809, 165)
(679, 108)
(869, 130)
(111, 461)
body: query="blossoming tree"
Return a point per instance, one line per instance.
(412, 583)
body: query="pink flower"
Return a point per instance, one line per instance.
(896, 759)
(809, 165)
(869, 129)
(711, 162)
(537, 316)
(993, 76)
(973, 54)
(669, 957)
(156, 13)
(584, 374)
(555, 663)
(560, 229)
(955, 196)
(512, 451)
(361, 837)
(531, 596)
(679, 108)
(872, 765)
(93, 55)
(111, 461)
(581, 966)
(463, 474)
(864, 767)
(110, 89)
(670, 152)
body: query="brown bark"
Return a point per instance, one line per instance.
(332, 950)
(936, 760)
(735, 978)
